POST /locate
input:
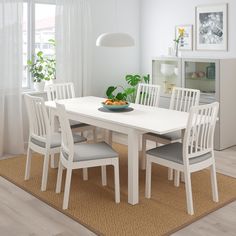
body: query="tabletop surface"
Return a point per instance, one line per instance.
(142, 118)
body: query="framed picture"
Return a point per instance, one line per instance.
(186, 42)
(212, 27)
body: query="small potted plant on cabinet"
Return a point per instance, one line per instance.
(42, 68)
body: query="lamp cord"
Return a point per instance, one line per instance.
(116, 15)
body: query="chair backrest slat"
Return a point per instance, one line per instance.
(182, 99)
(67, 142)
(199, 134)
(38, 116)
(60, 91)
(148, 94)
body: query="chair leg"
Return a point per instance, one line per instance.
(177, 176)
(143, 157)
(117, 181)
(182, 177)
(94, 135)
(67, 189)
(188, 189)
(148, 178)
(85, 174)
(170, 174)
(104, 175)
(54, 161)
(214, 183)
(59, 177)
(45, 172)
(28, 163)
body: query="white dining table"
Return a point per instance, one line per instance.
(140, 120)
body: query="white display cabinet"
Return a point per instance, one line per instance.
(216, 79)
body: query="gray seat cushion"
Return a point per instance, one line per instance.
(169, 136)
(94, 151)
(76, 124)
(56, 140)
(174, 152)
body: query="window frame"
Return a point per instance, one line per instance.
(31, 34)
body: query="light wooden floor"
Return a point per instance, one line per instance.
(21, 214)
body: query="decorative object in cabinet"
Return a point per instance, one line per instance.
(166, 73)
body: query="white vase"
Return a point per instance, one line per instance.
(39, 86)
(167, 69)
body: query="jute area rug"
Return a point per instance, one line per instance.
(93, 205)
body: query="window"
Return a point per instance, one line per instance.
(38, 30)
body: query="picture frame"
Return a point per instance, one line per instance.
(186, 42)
(212, 27)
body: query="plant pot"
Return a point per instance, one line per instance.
(39, 86)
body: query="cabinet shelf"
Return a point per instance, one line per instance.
(202, 79)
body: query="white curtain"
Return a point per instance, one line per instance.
(11, 72)
(73, 44)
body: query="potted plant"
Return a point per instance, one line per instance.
(42, 68)
(177, 40)
(129, 93)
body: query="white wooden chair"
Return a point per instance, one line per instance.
(41, 137)
(83, 156)
(182, 99)
(148, 95)
(195, 154)
(65, 91)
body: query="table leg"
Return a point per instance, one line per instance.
(52, 115)
(133, 169)
(108, 137)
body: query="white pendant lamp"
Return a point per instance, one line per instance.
(115, 39)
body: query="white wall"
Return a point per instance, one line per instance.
(110, 65)
(158, 21)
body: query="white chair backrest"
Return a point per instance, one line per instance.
(60, 91)
(38, 117)
(67, 142)
(182, 99)
(148, 94)
(199, 134)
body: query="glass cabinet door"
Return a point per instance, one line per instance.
(200, 75)
(167, 74)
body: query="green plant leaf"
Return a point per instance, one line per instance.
(40, 54)
(29, 62)
(52, 41)
(146, 79)
(40, 68)
(120, 96)
(129, 91)
(133, 80)
(110, 91)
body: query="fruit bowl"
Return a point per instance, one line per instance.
(116, 105)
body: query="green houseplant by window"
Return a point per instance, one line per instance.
(43, 68)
